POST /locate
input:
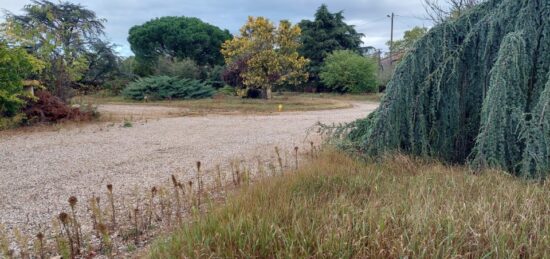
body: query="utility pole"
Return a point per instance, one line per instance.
(392, 16)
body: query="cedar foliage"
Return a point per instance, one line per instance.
(473, 90)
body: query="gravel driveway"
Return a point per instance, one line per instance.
(40, 170)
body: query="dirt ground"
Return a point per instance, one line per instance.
(40, 170)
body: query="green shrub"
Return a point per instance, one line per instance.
(345, 71)
(165, 87)
(15, 65)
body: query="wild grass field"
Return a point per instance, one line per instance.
(341, 207)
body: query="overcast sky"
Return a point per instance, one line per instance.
(369, 16)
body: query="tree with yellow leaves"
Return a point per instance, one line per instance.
(270, 55)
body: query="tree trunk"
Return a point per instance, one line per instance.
(266, 93)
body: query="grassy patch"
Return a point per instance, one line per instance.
(340, 207)
(225, 104)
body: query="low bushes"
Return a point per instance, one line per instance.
(165, 87)
(43, 107)
(48, 108)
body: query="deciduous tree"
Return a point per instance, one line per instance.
(409, 38)
(269, 53)
(441, 10)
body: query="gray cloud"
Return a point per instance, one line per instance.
(369, 16)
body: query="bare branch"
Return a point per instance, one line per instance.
(441, 10)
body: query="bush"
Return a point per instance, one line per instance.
(49, 108)
(345, 71)
(165, 87)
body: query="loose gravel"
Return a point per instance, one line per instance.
(40, 170)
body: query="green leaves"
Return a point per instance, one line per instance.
(346, 71)
(15, 65)
(265, 56)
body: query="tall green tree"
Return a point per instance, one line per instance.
(176, 37)
(58, 33)
(325, 34)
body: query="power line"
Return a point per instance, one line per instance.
(414, 17)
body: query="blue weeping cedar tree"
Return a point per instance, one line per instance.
(474, 90)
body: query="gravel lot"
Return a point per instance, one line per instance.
(40, 170)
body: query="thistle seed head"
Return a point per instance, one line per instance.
(40, 236)
(72, 201)
(110, 187)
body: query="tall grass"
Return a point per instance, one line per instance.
(336, 206)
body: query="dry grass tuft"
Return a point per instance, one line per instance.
(336, 206)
